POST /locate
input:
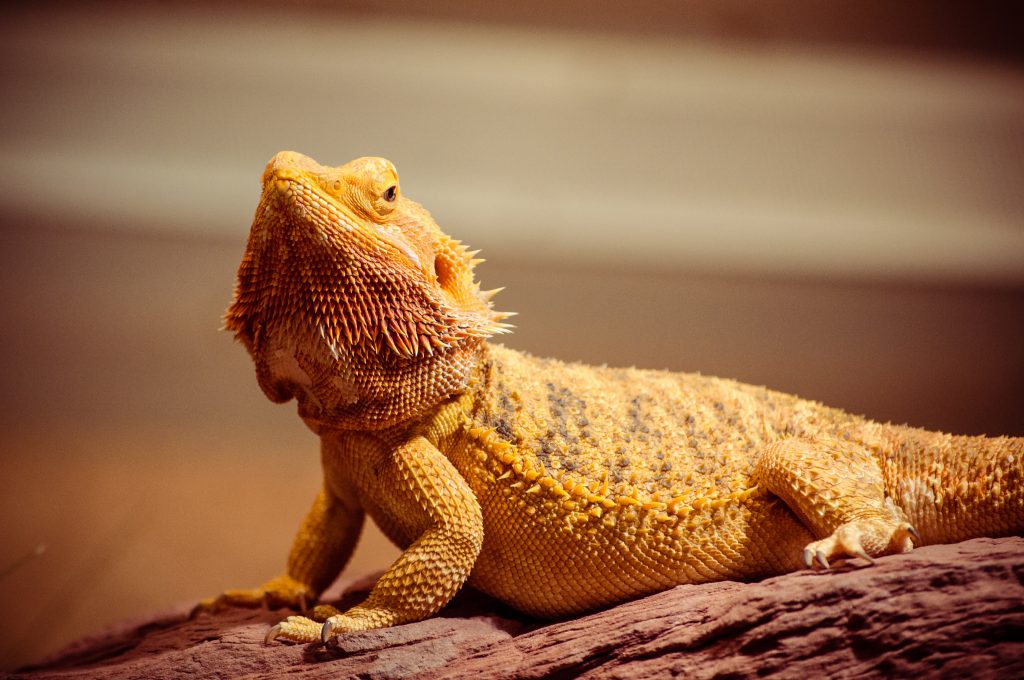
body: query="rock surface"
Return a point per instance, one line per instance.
(951, 611)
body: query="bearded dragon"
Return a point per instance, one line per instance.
(555, 487)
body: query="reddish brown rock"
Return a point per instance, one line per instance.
(955, 610)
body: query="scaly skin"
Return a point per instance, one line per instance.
(554, 487)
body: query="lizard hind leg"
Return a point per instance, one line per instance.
(836, 488)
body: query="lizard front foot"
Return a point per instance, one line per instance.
(866, 538)
(323, 623)
(283, 591)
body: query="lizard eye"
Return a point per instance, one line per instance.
(391, 193)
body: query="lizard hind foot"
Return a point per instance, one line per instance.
(864, 538)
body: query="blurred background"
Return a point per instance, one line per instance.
(824, 198)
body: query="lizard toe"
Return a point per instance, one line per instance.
(294, 629)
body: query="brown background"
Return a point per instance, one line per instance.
(134, 442)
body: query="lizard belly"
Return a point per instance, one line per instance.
(547, 561)
(554, 547)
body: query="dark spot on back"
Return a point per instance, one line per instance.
(504, 430)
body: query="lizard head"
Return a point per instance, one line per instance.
(351, 299)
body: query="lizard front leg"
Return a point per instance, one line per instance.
(321, 548)
(836, 489)
(416, 484)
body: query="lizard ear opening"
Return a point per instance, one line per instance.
(445, 275)
(453, 269)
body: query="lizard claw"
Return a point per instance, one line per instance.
(272, 634)
(858, 551)
(813, 557)
(913, 533)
